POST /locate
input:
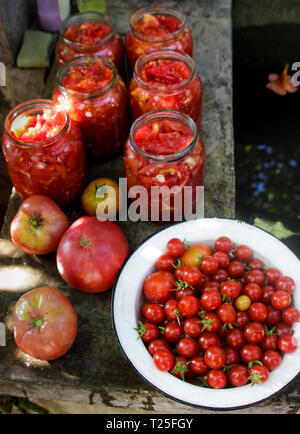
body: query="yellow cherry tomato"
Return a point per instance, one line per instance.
(243, 302)
(99, 190)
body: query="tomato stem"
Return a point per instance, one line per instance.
(35, 221)
(37, 322)
(84, 242)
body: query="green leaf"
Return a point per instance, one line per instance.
(275, 228)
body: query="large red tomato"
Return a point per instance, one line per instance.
(38, 225)
(91, 254)
(44, 323)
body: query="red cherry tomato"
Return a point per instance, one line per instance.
(175, 247)
(235, 338)
(285, 283)
(238, 375)
(211, 299)
(217, 379)
(255, 276)
(173, 331)
(258, 374)
(272, 275)
(189, 305)
(192, 326)
(251, 353)
(236, 270)
(281, 299)
(209, 265)
(158, 344)
(232, 356)
(198, 365)
(223, 244)
(243, 253)
(158, 287)
(227, 313)
(254, 332)
(171, 309)
(271, 359)
(231, 288)
(291, 315)
(166, 263)
(207, 339)
(164, 360)
(287, 344)
(215, 357)
(190, 274)
(153, 312)
(258, 312)
(188, 347)
(253, 291)
(222, 258)
(256, 264)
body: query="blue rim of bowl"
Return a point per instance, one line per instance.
(237, 407)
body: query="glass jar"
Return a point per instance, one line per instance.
(154, 28)
(166, 79)
(44, 152)
(90, 33)
(99, 108)
(164, 150)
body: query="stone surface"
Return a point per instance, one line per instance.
(94, 370)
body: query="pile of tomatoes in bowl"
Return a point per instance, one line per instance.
(217, 317)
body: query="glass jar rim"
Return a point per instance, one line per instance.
(164, 114)
(164, 54)
(84, 17)
(35, 104)
(82, 60)
(157, 10)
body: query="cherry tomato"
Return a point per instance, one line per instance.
(184, 291)
(258, 312)
(189, 305)
(209, 265)
(38, 225)
(285, 283)
(215, 357)
(223, 244)
(256, 264)
(243, 253)
(211, 284)
(171, 309)
(44, 323)
(231, 288)
(258, 374)
(282, 328)
(227, 313)
(102, 189)
(180, 368)
(287, 344)
(238, 375)
(251, 353)
(148, 331)
(198, 365)
(195, 253)
(235, 338)
(254, 332)
(158, 344)
(272, 275)
(269, 342)
(255, 276)
(242, 319)
(188, 347)
(222, 258)
(211, 299)
(207, 339)
(274, 316)
(281, 299)
(166, 263)
(153, 312)
(192, 326)
(220, 276)
(158, 287)
(209, 321)
(242, 303)
(173, 331)
(217, 379)
(164, 360)
(267, 293)
(236, 270)
(232, 356)
(271, 359)
(190, 274)
(253, 291)
(291, 315)
(175, 247)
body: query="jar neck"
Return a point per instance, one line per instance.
(81, 61)
(87, 17)
(32, 108)
(157, 10)
(160, 115)
(170, 55)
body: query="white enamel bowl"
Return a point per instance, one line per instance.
(126, 302)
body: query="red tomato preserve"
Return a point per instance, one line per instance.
(166, 79)
(95, 96)
(157, 27)
(44, 152)
(90, 33)
(164, 150)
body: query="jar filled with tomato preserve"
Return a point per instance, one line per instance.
(155, 28)
(166, 79)
(90, 33)
(44, 152)
(95, 96)
(164, 151)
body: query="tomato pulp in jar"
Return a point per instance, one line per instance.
(154, 28)
(166, 79)
(90, 33)
(44, 152)
(164, 150)
(95, 96)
